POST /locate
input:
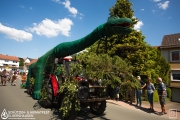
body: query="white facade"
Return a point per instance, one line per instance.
(27, 61)
(8, 64)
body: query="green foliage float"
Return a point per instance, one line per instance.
(31, 81)
(111, 70)
(69, 89)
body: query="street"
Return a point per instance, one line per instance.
(15, 101)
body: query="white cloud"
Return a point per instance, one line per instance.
(22, 6)
(18, 35)
(138, 25)
(57, 1)
(81, 14)
(153, 11)
(156, 0)
(51, 28)
(169, 17)
(164, 5)
(142, 9)
(72, 10)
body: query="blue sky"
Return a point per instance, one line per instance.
(30, 28)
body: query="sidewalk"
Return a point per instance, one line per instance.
(170, 107)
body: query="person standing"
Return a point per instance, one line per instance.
(129, 93)
(162, 94)
(4, 75)
(10, 75)
(0, 77)
(139, 91)
(14, 79)
(23, 78)
(117, 88)
(150, 93)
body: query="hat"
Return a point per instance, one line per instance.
(138, 77)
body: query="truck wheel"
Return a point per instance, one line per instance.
(98, 107)
(30, 89)
(72, 113)
(48, 102)
(50, 96)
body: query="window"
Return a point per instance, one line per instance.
(175, 75)
(6, 61)
(14, 61)
(175, 56)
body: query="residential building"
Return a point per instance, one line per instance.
(8, 62)
(25, 61)
(31, 62)
(170, 49)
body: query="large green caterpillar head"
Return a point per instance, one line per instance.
(116, 25)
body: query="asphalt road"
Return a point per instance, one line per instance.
(16, 101)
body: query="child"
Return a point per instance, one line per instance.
(23, 78)
(14, 79)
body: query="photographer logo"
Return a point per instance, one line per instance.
(4, 114)
(172, 113)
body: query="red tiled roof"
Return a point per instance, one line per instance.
(32, 61)
(7, 57)
(172, 40)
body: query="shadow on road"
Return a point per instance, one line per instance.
(83, 114)
(145, 109)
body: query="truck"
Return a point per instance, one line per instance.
(48, 81)
(89, 93)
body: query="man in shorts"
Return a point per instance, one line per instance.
(4, 75)
(162, 94)
(139, 91)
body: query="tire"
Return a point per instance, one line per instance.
(98, 108)
(30, 89)
(48, 102)
(72, 113)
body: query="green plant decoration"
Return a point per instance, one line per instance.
(43, 92)
(22, 86)
(70, 88)
(31, 81)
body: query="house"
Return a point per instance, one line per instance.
(170, 49)
(8, 62)
(32, 61)
(25, 61)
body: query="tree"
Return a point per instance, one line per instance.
(21, 63)
(113, 70)
(130, 47)
(146, 61)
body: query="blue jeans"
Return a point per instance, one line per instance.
(150, 98)
(138, 96)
